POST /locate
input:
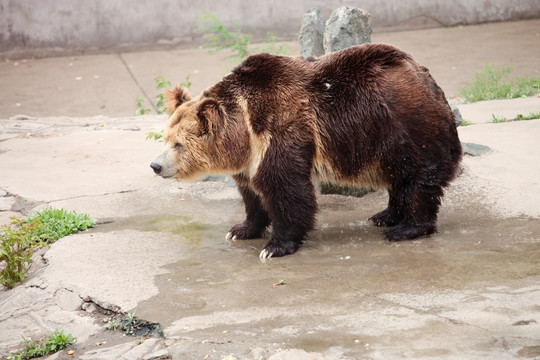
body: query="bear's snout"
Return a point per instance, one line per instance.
(156, 167)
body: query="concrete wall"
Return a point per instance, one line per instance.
(34, 26)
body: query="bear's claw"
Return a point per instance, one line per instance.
(265, 254)
(385, 218)
(230, 237)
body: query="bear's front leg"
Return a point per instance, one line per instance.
(256, 217)
(284, 182)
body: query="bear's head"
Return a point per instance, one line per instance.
(201, 137)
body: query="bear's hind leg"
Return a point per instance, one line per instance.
(421, 205)
(257, 219)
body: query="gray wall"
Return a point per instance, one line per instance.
(33, 26)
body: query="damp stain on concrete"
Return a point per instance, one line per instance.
(347, 288)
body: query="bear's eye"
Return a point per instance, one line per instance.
(178, 145)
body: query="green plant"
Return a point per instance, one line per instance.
(161, 83)
(56, 342)
(219, 38)
(495, 83)
(17, 244)
(141, 110)
(497, 119)
(531, 116)
(465, 123)
(156, 136)
(58, 223)
(271, 47)
(112, 325)
(131, 317)
(186, 84)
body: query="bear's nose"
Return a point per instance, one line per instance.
(156, 167)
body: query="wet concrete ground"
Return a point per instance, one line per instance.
(471, 291)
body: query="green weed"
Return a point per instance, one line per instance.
(497, 119)
(153, 135)
(18, 242)
(531, 116)
(496, 83)
(465, 123)
(158, 136)
(58, 223)
(112, 325)
(57, 341)
(271, 47)
(186, 84)
(219, 38)
(161, 84)
(141, 110)
(19, 239)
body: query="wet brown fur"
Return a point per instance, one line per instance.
(367, 115)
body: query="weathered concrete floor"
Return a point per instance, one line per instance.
(470, 291)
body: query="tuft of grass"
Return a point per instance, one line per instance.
(465, 123)
(58, 223)
(494, 82)
(161, 84)
(140, 110)
(271, 47)
(17, 244)
(112, 325)
(531, 116)
(21, 238)
(57, 341)
(153, 135)
(219, 38)
(497, 119)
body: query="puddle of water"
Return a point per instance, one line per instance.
(195, 235)
(223, 288)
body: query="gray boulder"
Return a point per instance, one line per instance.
(311, 34)
(347, 27)
(457, 115)
(475, 149)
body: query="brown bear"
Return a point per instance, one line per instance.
(367, 115)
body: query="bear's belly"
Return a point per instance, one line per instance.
(368, 176)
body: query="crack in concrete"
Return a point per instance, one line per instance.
(137, 82)
(102, 194)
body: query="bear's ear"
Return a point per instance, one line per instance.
(176, 97)
(210, 116)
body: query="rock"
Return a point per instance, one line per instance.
(6, 202)
(457, 115)
(89, 307)
(475, 149)
(160, 354)
(68, 300)
(311, 34)
(22, 117)
(347, 27)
